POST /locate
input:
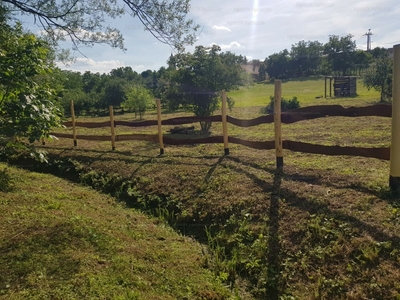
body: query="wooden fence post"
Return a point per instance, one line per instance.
(277, 124)
(225, 123)
(73, 123)
(112, 124)
(160, 134)
(394, 179)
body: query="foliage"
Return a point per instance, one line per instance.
(286, 104)
(340, 53)
(200, 77)
(83, 25)
(27, 101)
(380, 76)
(306, 57)
(278, 65)
(138, 100)
(6, 180)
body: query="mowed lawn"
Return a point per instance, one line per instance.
(306, 90)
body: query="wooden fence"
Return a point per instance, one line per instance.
(306, 113)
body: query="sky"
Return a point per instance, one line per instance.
(255, 29)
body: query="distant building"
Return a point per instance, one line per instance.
(252, 69)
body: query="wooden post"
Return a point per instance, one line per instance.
(43, 142)
(325, 88)
(278, 124)
(73, 123)
(225, 123)
(394, 179)
(160, 134)
(112, 127)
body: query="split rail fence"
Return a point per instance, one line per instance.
(306, 113)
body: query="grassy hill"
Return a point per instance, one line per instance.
(59, 240)
(326, 227)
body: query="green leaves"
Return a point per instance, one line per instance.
(200, 77)
(138, 100)
(27, 104)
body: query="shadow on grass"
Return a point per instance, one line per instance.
(274, 246)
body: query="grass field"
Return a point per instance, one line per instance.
(325, 227)
(59, 240)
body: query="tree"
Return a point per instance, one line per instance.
(200, 77)
(279, 65)
(85, 22)
(138, 99)
(27, 101)
(340, 53)
(380, 76)
(306, 57)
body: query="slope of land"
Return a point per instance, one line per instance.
(59, 240)
(326, 227)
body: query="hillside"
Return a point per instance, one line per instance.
(326, 227)
(59, 240)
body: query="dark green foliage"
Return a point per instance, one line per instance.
(27, 98)
(199, 78)
(286, 104)
(6, 181)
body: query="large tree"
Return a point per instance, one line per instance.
(340, 53)
(306, 57)
(199, 77)
(86, 22)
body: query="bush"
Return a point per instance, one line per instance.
(6, 180)
(286, 104)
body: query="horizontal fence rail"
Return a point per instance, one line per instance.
(301, 114)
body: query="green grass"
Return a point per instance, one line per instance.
(59, 240)
(326, 227)
(306, 90)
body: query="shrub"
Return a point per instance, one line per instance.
(286, 104)
(6, 180)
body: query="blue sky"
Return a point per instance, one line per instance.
(255, 29)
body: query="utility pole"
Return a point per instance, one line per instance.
(368, 34)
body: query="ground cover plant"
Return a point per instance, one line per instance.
(324, 227)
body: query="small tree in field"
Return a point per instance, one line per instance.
(198, 79)
(138, 100)
(379, 77)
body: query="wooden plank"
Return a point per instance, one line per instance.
(207, 140)
(394, 177)
(93, 124)
(321, 111)
(225, 124)
(268, 145)
(82, 137)
(112, 125)
(159, 125)
(137, 137)
(136, 124)
(252, 122)
(278, 124)
(193, 119)
(381, 153)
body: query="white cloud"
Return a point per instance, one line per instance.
(82, 64)
(231, 45)
(221, 28)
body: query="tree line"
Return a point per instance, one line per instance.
(339, 57)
